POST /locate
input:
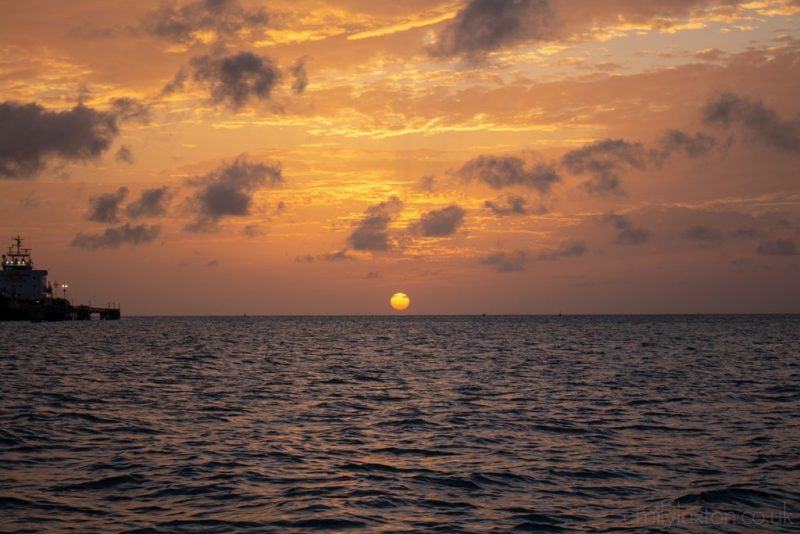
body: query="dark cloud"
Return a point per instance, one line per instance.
(373, 275)
(124, 155)
(779, 247)
(486, 25)
(298, 71)
(235, 79)
(31, 134)
(440, 223)
(576, 248)
(693, 146)
(103, 208)
(181, 24)
(253, 230)
(507, 262)
(628, 234)
(512, 205)
(506, 171)
(228, 191)
(176, 84)
(340, 255)
(130, 109)
(700, 232)
(762, 124)
(117, 236)
(372, 231)
(605, 161)
(151, 203)
(517, 261)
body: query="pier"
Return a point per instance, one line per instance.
(84, 313)
(61, 310)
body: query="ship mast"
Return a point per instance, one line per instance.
(18, 256)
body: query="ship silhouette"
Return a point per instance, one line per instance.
(25, 294)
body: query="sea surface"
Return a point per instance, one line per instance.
(401, 424)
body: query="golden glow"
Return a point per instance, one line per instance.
(383, 117)
(400, 301)
(396, 28)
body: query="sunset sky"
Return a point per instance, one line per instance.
(482, 156)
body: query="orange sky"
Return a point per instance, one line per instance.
(482, 156)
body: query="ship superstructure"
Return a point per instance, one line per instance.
(18, 279)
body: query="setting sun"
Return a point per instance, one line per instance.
(399, 301)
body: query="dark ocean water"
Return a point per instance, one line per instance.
(401, 424)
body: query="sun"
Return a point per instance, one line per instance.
(399, 301)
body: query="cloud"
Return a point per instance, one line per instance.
(483, 26)
(700, 232)
(31, 134)
(228, 191)
(512, 205)
(115, 237)
(762, 124)
(373, 275)
(605, 161)
(130, 109)
(440, 223)
(124, 155)
(507, 262)
(372, 231)
(253, 230)
(506, 171)
(576, 248)
(710, 54)
(747, 232)
(188, 23)
(695, 146)
(517, 261)
(298, 71)
(779, 247)
(629, 234)
(426, 183)
(103, 208)
(340, 255)
(237, 78)
(176, 84)
(151, 203)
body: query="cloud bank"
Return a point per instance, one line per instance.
(440, 223)
(507, 171)
(115, 237)
(372, 231)
(228, 191)
(103, 208)
(31, 134)
(185, 24)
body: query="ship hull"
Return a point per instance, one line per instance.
(49, 310)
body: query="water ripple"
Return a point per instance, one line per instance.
(402, 424)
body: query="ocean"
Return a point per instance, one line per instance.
(401, 424)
